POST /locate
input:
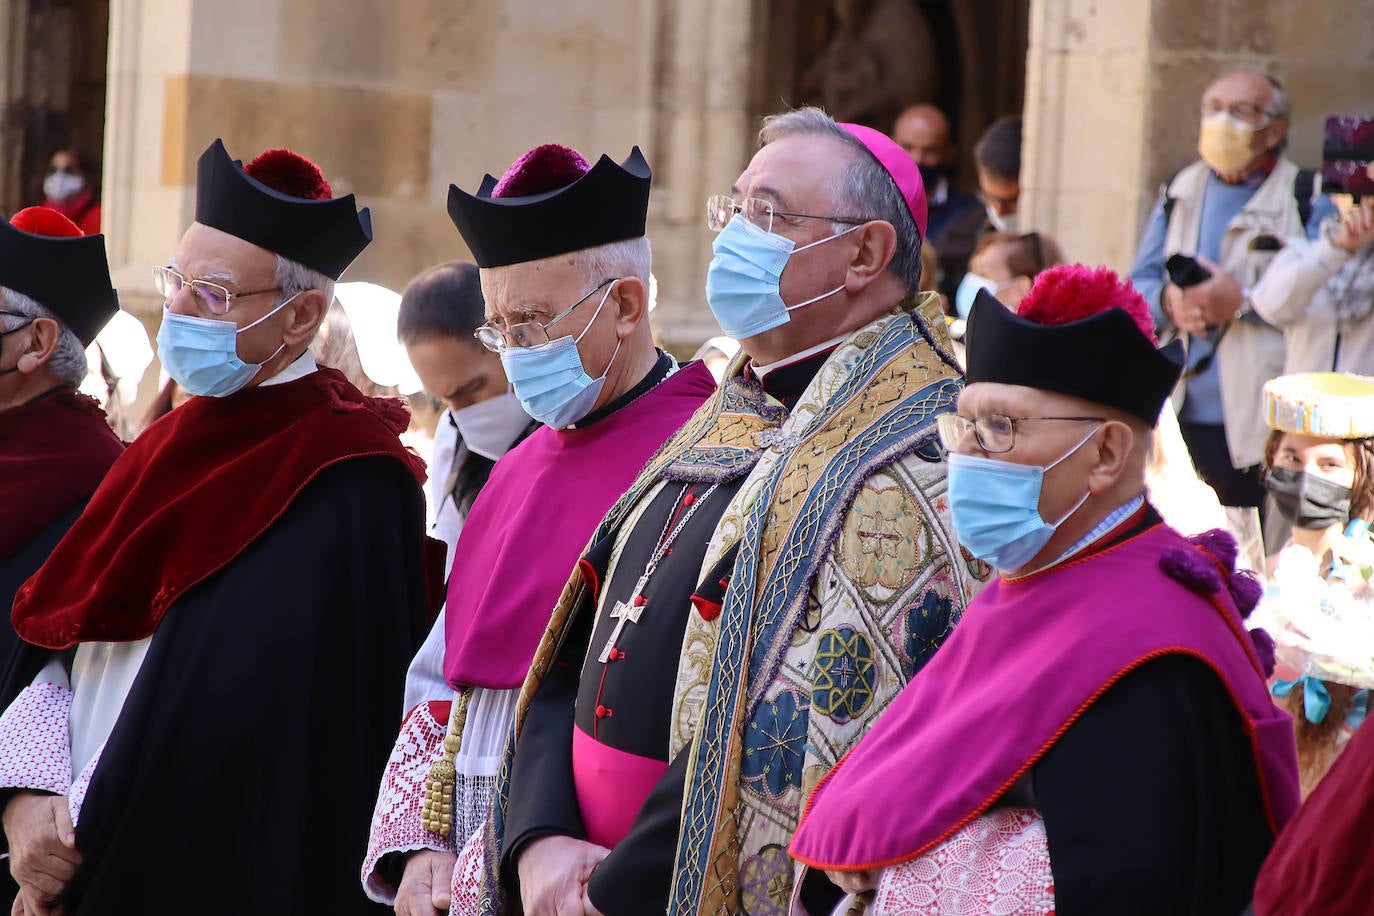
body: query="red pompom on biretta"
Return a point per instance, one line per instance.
(544, 168)
(1071, 292)
(290, 173)
(45, 222)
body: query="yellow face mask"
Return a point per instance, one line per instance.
(1224, 143)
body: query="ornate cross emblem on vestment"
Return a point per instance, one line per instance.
(625, 612)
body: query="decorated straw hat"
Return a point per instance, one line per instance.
(1331, 405)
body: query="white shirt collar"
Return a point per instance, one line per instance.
(303, 366)
(941, 192)
(761, 371)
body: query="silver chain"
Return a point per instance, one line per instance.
(665, 543)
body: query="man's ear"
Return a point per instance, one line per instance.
(306, 314)
(43, 337)
(631, 301)
(876, 245)
(1115, 445)
(1277, 128)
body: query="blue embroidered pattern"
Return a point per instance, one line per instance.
(773, 746)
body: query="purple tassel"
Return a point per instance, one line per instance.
(1246, 590)
(1221, 544)
(1264, 648)
(1194, 568)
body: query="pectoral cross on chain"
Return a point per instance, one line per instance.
(625, 612)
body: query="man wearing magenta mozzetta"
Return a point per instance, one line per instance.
(1096, 736)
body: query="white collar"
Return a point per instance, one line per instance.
(303, 366)
(761, 371)
(941, 192)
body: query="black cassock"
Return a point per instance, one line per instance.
(16, 569)
(634, 694)
(241, 774)
(1151, 800)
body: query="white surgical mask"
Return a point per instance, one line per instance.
(62, 185)
(1009, 223)
(489, 427)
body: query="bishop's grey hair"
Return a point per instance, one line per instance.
(626, 258)
(294, 277)
(863, 189)
(68, 360)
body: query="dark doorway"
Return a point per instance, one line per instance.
(53, 92)
(866, 60)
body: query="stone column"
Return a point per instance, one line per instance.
(704, 140)
(13, 85)
(1087, 147)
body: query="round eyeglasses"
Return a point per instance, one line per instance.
(217, 299)
(527, 333)
(995, 432)
(721, 208)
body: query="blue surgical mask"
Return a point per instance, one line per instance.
(201, 354)
(995, 506)
(549, 379)
(968, 291)
(742, 281)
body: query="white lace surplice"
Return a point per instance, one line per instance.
(999, 865)
(396, 825)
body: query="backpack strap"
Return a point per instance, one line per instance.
(1304, 184)
(1167, 205)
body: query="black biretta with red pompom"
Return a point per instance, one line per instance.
(44, 256)
(282, 203)
(1081, 332)
(549, 202)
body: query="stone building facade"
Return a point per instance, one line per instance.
(397, 98)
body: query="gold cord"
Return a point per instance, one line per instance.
(436, 813)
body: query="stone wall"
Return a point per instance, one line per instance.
(396, 100)
(1112, 94)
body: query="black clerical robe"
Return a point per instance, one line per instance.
(54, 451)
(239, 776)
(625, 702)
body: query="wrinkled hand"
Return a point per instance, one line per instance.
(24, 905)
(854, 882)
(1216, 299)
(1186, 318)
(1357, 227)
(553, 875)
(42, 843)
(426, 883)
(589, 908)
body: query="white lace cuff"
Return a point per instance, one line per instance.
(999, 864)
(467, 877)
(396, 819)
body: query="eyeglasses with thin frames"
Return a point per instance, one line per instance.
(721, 208)
(1241, 111)
(995, 432)
(527, 333)
(216, 298)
